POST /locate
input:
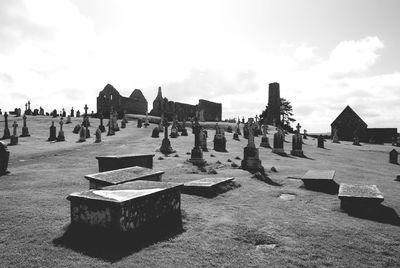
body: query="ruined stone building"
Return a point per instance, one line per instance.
(135, 104)
(207, 110)
(348, 125)
(274, 105)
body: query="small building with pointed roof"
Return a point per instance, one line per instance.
(348, 125)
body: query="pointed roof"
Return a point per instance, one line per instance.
(350, 111)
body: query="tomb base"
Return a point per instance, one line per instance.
(25, 132)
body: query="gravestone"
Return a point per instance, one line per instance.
(229, 129)
(85, 121)
(297, 143)
(6, 130)
(101, 127)
(393, 156)
(115, 121)
(123, 124)
(98, 135)
(14, 137)
(166, 144)
(122, 175)
(110, 128)
(278, 142)
(359, 198)
(146, 121)
(251, 160)
(61, 136)
(335, 138)
(184, 130)
(87, 131)
(68, 120)
(4, 158)
(320, 180)
(72, 114)
(264, 139)
(246, 131)
(53, 132)
(82, 134)
(41, 111)
(64, 114)
(76, 129)
(203, 140)
(35, 112)
(139, 123)
(236, 136)
(196, 157)
(17, 112)
(398, 141)
(25, 131)
(155, 133)
(86, 108)
(238, 127)
(208, 187)
(160, 125)
(124, 208)
(113, 162)
(54, 113)
(174, 132)
(78, 113)
(356, 141)
(320, 141)
(219, 140)
(304, 134)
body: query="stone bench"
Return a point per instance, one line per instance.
(320, 180)
(126, 207)
(112, 162)
(208, 186)
(120, 176)
(355, 197)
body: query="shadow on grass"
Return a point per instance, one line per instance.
(378, 213)
(212, 191)
(283, 155)
(113, 246)
(324, 186)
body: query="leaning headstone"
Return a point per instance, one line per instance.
(98, 135)
(251, 160)
(155, 133)
(359, 198)
(297, 143)
(53, 132)
(203, 140)
(196, 157)
(321, 141)
(278, 142)
(25, 131)
(219, 140)
(264, 139)
(166, 144)
(14, 137)
(4, 158)
(6, 129)
(68, 120)
(76, 129)
(61, 136)
(393, 157)
(82, 134)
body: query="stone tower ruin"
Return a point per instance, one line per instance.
(274, 103)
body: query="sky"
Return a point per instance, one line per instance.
(324, 54)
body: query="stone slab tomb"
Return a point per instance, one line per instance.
(359, 197)
(120, 176)
(208, 187)
(113, 162)
(320, 180)
(127, 207)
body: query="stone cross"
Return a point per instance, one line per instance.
(24, 118)
(15, 125)
(61, 124)
(86, 108)
(298, 128)
(29, 105)
(26, 106)
(251, 136)
(196, 131)
(5, 119)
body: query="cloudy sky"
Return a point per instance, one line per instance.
(325, 54)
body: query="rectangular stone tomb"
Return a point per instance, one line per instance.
(320, 180)
(359, 196)
(208, 186)
(112, 162)
(126, 207)
(119, 176)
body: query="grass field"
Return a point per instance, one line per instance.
(247, 226)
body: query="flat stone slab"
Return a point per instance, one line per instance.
(319, 175)
(352, 191)
(208, 186)
(112, 162)
(126, 207)
(320, 180)
(119, 176)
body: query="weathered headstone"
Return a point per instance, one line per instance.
(64, 114)
(297, 143)
(61, 136)
(184, 130)
(203, 140)
(124, 118)
(25, 131)
(356, 141)
(110, 128)
(166, 144)
(264, 139)
(174, 132)
(98, 135)
(246, 131)
(78, 113)
(1, 113)
(393, 157)
(238, 127)
(196, 156)
(76, 129)
(146, 121)
(155, 133)
(35, 112)
(101, 127)
(53, 132)
(6, 129)
(219, 140)
(14, 137)
(236, 136)
(251, 160)
(321, 141)
(41, 111)
(335, 138)
(82, 134)
(229, 129)
(87, 131)
(72, 114)
(4, 158)
(278, 142)
(139, 123)
(68, 120)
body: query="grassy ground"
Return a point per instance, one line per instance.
(247, 226)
